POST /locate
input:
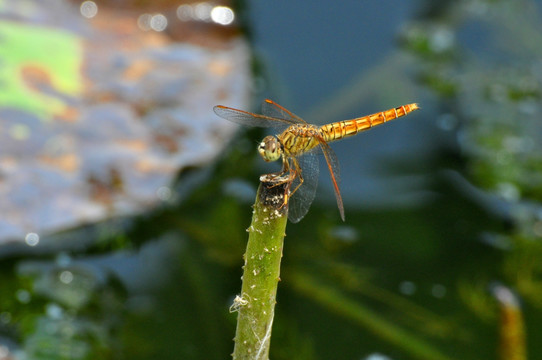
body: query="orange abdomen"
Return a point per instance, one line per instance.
(342, 129)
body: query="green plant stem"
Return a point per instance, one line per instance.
(256, 304)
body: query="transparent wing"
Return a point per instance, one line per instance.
(274, 115)
(332, 163)
(247, 118)
(274, 110)
(302, 199)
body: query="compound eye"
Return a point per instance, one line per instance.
(270, 149)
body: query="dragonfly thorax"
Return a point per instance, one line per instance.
(270, 148)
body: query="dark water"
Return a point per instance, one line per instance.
(439, 205)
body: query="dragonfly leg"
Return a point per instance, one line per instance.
(286, 176)
(293, 172)
(280, 177)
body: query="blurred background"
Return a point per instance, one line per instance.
(125, 199)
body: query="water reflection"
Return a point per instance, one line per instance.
(144, 22)
(23, 296)
(407, 288)
(88, 9)
(32, 239)
(222, 15)
(345, 234)
(156, 22)
(377, 356)
(66, 277)
(202, 11)
(164, 193)
(438, 291)
(206, 12)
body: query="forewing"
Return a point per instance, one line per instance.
(274, 110)
(249, 119)
(302, 199)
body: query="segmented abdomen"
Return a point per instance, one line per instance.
(342, 129)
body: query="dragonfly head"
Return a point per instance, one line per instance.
(270, 148)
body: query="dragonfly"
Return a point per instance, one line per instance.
(299, 144)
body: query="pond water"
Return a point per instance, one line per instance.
(442, 239)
